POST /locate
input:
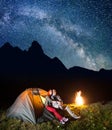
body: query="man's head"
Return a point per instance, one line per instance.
(54, 92)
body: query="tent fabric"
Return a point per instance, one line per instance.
(29, 105)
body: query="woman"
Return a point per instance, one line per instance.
(53, 98)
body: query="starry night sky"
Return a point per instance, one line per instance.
(78, 32)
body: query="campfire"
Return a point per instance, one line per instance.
(79, 101)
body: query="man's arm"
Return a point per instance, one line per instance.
(48, 101)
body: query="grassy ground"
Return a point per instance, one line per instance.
(93, 117)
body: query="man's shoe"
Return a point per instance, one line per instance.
(76, 117)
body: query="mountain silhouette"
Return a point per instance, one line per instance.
(23, 69)
(15, 62)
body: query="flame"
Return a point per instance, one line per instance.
(79, 99)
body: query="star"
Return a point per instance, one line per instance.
(77, 32)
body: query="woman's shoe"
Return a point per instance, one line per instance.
(62, 122)
(65, 119)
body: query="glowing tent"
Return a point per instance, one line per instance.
(29, 105)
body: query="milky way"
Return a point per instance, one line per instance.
(78, 32)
